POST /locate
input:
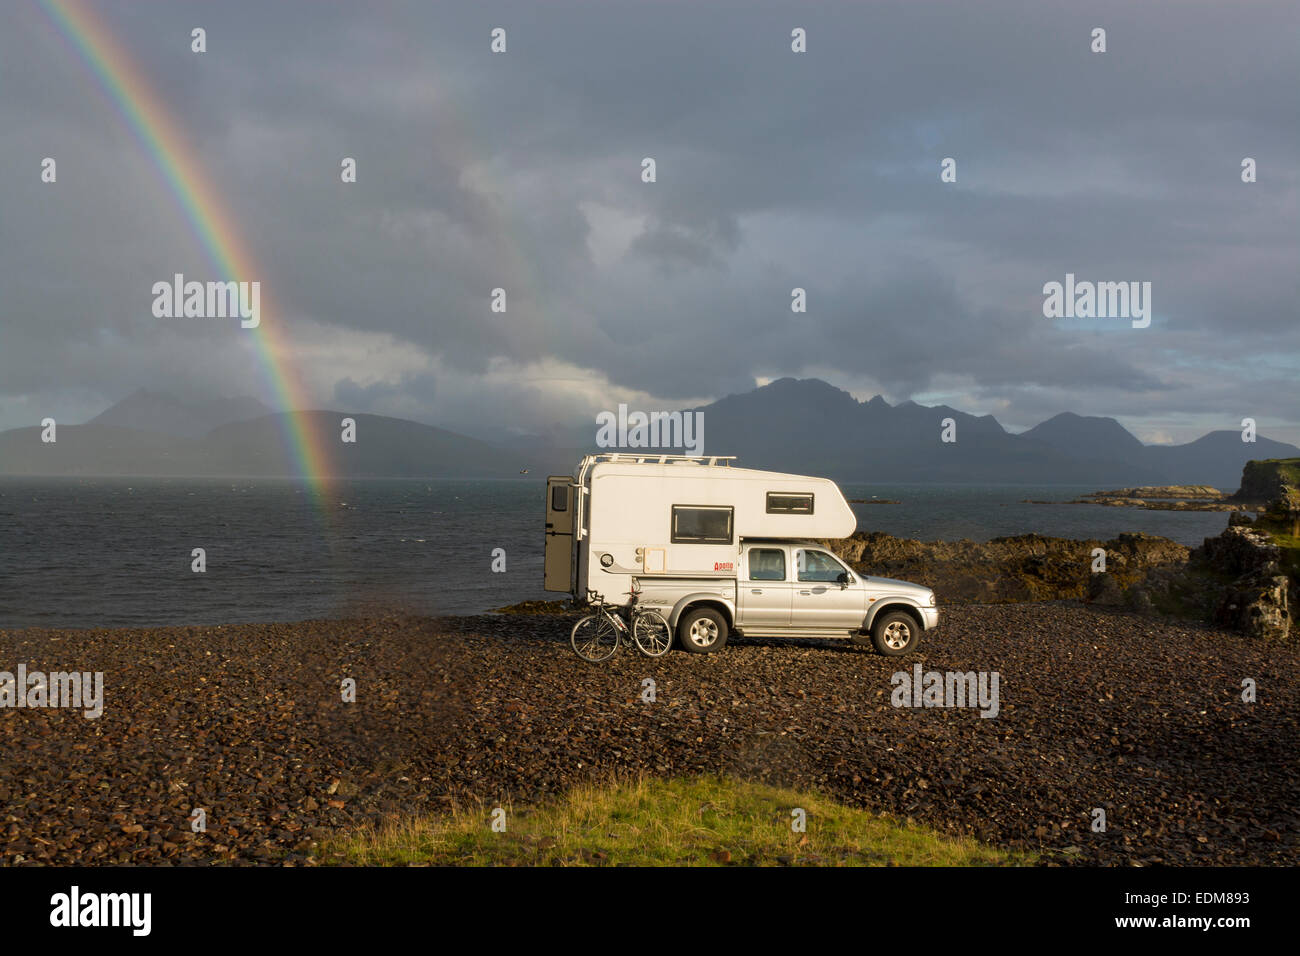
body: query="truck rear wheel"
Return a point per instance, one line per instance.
(702, 631)
(895, 634)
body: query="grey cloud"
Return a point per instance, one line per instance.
(775, 170)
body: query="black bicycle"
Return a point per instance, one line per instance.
(596, 637)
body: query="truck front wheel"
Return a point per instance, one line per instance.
(895, 633)
(702, 631)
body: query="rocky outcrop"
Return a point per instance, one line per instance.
(1165, 504)
(1162, 491)
(1246, 578)
(1238, 579)
(1162, 498)
(1269, 480)
(1027, 567)
(1255, 596)
(1282, 516)
(1239, 551)
(1257, 606)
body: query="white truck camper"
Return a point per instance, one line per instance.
(719, 550)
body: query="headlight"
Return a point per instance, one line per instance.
(932, 601)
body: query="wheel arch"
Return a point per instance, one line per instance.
(692, 601)
(885, 605)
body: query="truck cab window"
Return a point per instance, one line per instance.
(818, 566)
(766, 564)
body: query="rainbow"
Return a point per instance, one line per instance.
(163, 139)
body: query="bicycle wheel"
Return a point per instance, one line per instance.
(594, 638)
(652, 634)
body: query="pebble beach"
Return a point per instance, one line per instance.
(1099, 708)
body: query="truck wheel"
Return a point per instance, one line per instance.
(702, 631)
(895, 633)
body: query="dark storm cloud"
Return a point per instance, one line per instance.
(775, 170)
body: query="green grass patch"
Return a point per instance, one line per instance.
(1289, 553)
(697, 821)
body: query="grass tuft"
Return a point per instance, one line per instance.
(697, 821)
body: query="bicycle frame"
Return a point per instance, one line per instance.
(624, 620)
(596, 601)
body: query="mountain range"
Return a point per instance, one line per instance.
(804, 426)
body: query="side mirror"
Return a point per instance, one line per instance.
(844, 579)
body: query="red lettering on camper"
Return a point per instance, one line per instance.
(724, 566)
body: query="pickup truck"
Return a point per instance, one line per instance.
(783, 588)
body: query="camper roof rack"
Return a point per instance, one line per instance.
(650, 459)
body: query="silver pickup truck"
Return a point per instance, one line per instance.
(783, 588)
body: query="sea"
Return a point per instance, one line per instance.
(118, 552)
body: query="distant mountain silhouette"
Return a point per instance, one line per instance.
(809, 421)
(149, 411)
(385, 447)
(1206, 460)
(1084, 436)
(809, 425)
(793, 425)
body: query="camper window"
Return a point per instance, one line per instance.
(783, 503)
(702, 524)
(559, 498)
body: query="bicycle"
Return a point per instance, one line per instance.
(597, 636)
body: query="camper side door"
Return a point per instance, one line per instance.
(558, 563)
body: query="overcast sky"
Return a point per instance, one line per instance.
(522, 170)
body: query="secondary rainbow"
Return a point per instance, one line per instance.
(164, 141)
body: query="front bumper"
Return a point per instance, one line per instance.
(930, 617)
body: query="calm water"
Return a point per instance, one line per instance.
(117, 552)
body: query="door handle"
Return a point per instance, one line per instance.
(756, 591)
(805, 592)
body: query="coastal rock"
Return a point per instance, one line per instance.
(1257, 606)
(1238, 551)
(1257, 599)
(1105, 590)
(1162, 491)
(1268, 480)
(1282, 516)
(1160, 504)
(1139, 599)
(1028, 567)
